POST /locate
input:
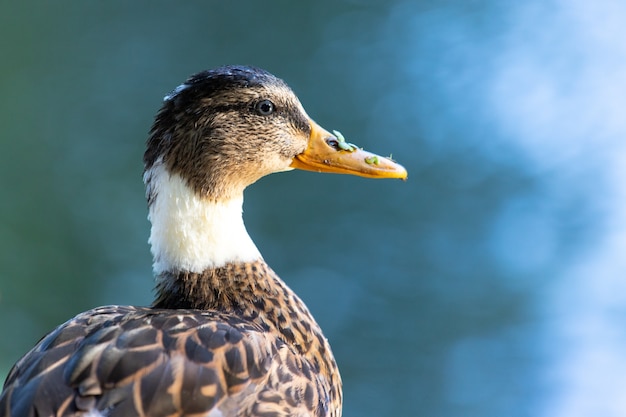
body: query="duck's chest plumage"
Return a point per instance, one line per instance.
(129, 361)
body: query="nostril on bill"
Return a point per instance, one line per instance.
(332, 142)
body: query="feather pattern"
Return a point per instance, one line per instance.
(134, 361)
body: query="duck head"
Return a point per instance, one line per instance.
(224, 129)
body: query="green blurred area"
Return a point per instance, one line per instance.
(430, 291)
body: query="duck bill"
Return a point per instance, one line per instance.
(321, 156)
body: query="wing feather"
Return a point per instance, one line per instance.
(128, 361)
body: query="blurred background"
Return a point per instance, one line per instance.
(492, 283)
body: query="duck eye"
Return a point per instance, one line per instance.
(265, 107)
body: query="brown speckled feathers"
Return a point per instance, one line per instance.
(129, 361)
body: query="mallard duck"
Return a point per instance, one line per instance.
(225, 335)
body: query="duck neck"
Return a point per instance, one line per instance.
(204, 259)
(248, 289)
(191, 232)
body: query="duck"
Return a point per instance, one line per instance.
(225, 336)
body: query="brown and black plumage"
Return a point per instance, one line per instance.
(225, 336)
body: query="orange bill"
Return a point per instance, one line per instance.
(331, 153)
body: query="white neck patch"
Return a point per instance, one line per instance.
(192, 234)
